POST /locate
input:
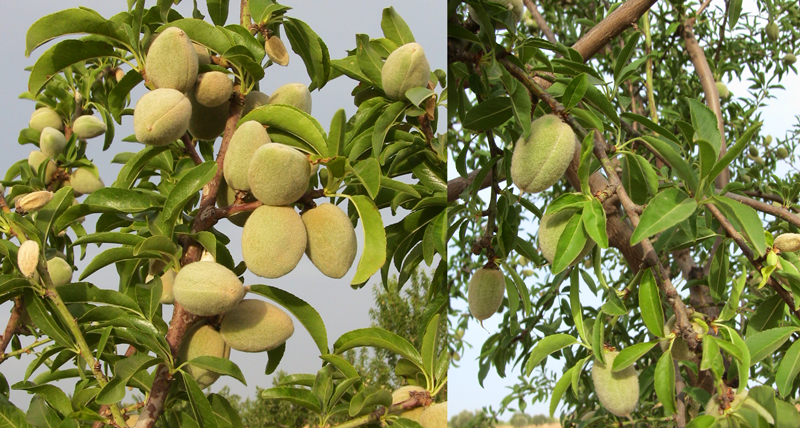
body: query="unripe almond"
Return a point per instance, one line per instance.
(227, 197)
(34, 201)
(515, 6)
(167, 283)
(207, 288)
(60, 271)
(276, 51)
(254, 100)
(248, 138)
(207, 123)
(782, 153)
(119, 75)
(172, 61)
(788, 242)
(541, 160)
(52, 142)
(256, 326)
(199, 341)
(550, 229)
(213, 88)
(273, 241)
(768, 140)
(332, 244)
(87, 126)
(722, 90)
(203, 56)
(434, 416)
(46, 117)
(680, 349)
(161, 117)
(28, 257)
(753, 151)
(405, 68)
(789, 59)
(278, 174)
(293, 94)
(83, 180)
(36, 158)
(618, 391)
(485, 294)
(773, 31)
(404, 393)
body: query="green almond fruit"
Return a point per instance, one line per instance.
(60, 271)
(434, 416)
(35, 158)
(782, 153)
(207, 123)
(52, 142)
(405, 68)
(172, 61)
(550, 229)
(278, 174)
(246, 140)
(46, 117)
(202, 340)
(207, 288)
(332, 244)
(485, 294)
(541, 159)
(404, 393)
(86, 127)
(618, 391)
(161, 117)
(293, 94)
(273, 241)
(256, 326)
(254, 100)
(84, 181)
(789, 59)
(227, 197)
(773, 32)
(213, 88)
(722, 90)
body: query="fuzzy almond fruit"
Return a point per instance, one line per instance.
(172, 61)
(86, 127)
(618, 391)
(293, 94)
(246, 140)
(45, 117)
(207, 288)
(541, 159)
(788, 242)
(28, 257)
(405, 68)
(83, 180)
(161, 117)
(278, 174)
(332, 243)
(485, 294)
(256, 326)
(213, 88)
(404, 393)
(199, 341)
(207, 123)
(36, 158)
(434, 416)
(52, 142)
(550, 229)
(273, 241)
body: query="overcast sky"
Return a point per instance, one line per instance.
(337, 22)
(465, 392)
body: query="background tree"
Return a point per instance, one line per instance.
(160, 212)
(671, 183)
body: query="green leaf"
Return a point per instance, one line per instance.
(788, 369)
(48, 214)
(594, 220)
(108, 237)
(546, 346)
(274, 357)
(71, 21)
(585, 165)
(733, 151)
(650, 304)
(124, 370)
(11, 416)
(113, 255)
(186, 189)
(293, 121)
(560, 389)
(369, 61)
(598, 100)
(203, 33)
(625, 55)
(198, 403)
(374, 254)
(675, 160)
(765, 343)
(734, 10)
(718, 278)
(574, 92)
(658, 129)
(704, 122)
(420, 94)
(732, 306)
(44, 320)
(134, 166)
(306, 43)
(570, 243)
(219, 365)
(489, 114)
(63, 55)
(631, 354)
(710, 352)
(576, 309)
(300, 396)
(50, 393)
(395, 28)
(218, 10)
(665, 382)
(226, 415)
(702, 421)
(336, 137)
(305, 313)
(41, 415)
(379, 338)
(84, 292)
(746, 219)
(109, 199)
(429, 342)
(667, 209)
(384, 123)
(638, 178)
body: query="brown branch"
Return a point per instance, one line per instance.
(11, 327)
(181, 319)
(722, 31)
(611, 26)
(779, 212)
(551, 37)
(189, 149)
(769, 197)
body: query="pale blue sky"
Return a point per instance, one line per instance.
(337, 22)
(465, 391)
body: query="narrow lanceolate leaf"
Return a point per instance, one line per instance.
(300, 396)
(570, 244)
(374, 254)
(734, 10)
(305, 313)
(732, 306)
(183, 192)
(705, 124)
(664, 382)
(63, 55)
(574, 92)
(575, 306)
(650, 304)
(71, 21)
(429, 342)
(395, 28)
(336, 134)
(625, 55)
(378, 338)
(594, 220)
(667, 209)
(489, 114)
(764, 343)
(746, 220)
(787, 371)
(385, 122)
(560, 389)
(11, 416)
(218, 10)
(547, 346)
(631, 354)
(219, 365)
(293, 121)
(718, 279)
(734, 151)
(678, 164)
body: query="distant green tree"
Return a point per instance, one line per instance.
(468, 419)
(257, 413)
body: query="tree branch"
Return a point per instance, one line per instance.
(189, 149)
(551, 37)
(611, 26)
(11, 327)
